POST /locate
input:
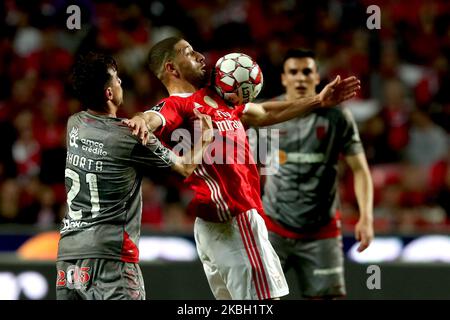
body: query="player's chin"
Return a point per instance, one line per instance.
(203, 79)
(234, 99)
(205, 73)
(302, 93)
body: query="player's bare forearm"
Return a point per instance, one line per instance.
(184, 169)
(364, 232)
(186, 164)
(364, 196)
(363, 184)
(152, 120)
(194, 157)
(142, 124)
(272, 112)
(189, 162)
(278, 112)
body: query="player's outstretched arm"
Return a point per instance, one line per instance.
(272, 112)
(186, 165)
(364, 195)
(142, 124)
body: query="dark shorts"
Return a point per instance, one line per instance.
(99, 279)
(318, 264)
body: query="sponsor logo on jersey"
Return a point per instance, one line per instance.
(223, 114)
(228, 125)
(92, 146)
(282, 157)
(69, 224)
(298, 157)
(73, 137)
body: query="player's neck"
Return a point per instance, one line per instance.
(180, 87)
(289, 97)
(294, 96)
(110, 111)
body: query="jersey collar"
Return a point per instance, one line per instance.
(182, 95)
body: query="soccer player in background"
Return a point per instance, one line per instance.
(301, 199)
(231, 237)
(98, 249)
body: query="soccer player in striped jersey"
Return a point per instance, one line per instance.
(230, 234)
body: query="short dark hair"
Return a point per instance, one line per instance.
(299, 53)
(90, 77)
(160, 53)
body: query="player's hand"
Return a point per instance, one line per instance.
(364, 233)
(206, 126)
(235, 99)
(138, 128)
(339, 90)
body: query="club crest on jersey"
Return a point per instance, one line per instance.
(210, 102)
(321, 131)
(158, 107)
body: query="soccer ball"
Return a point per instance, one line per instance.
(237, 78)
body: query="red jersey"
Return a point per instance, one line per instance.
(227, 182)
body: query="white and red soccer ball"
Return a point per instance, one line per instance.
(237, 74)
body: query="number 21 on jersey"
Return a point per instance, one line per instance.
(91, 181)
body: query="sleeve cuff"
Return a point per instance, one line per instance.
(160, 115)
(245, 108)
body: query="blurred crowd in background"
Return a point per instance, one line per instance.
(403, 109)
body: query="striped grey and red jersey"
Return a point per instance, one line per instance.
(227, 182)
(104, 168)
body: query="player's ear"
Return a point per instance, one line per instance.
(109, 93)
(316, 76)
(317, 79)
(170, 68)
(283, 79)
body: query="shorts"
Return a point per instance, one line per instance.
(238, 259)
(99, 279)
(318, 264)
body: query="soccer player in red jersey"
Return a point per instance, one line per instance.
(231, 236)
